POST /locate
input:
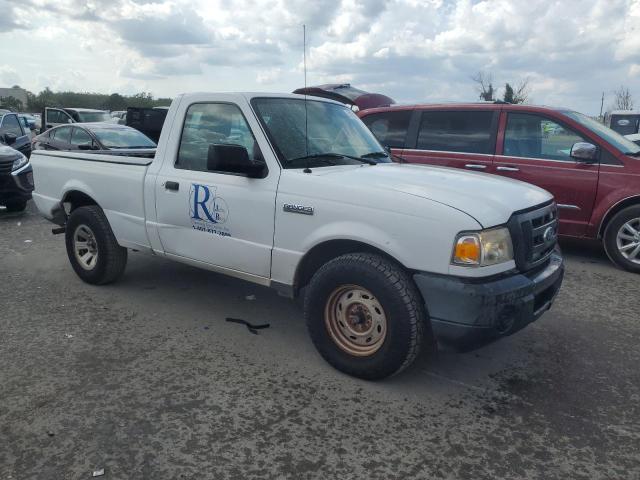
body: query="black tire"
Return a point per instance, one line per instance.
(610, 238)
(111, 258)
(18, 206)
(401, 302)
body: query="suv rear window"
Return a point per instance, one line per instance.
(390, 128)
(457, 131)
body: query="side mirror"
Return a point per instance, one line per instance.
(233, 159)
(10, 138)
(86, 146)
(584, 152)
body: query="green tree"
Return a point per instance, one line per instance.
(101, 101)
(115, 102)
(508, 93)
(11, 103)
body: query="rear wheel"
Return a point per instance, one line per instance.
(18, 206)
(365, 315)
(92, 248)
(622, 239)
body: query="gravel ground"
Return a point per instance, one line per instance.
(146, 379)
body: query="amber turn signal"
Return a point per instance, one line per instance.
(467, 250)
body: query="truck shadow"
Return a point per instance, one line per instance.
(206, 298)
(202, 299)
(584, 251)
(5, 215)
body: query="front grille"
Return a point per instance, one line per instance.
(5, 166)
(535, 234)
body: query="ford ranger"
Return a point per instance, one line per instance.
(297, 194)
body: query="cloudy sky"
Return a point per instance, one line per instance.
(411, 50)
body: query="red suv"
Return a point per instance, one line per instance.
(593, 172)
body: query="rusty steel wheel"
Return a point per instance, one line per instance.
(365, 315)
(355, 320)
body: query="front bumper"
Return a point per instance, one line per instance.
(468, 313)
(17, 186)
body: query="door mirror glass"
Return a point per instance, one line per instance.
(86, 146)
(233, 159)
(584, 152)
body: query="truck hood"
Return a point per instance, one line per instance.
(489, 199)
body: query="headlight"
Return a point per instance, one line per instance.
(480, 249)
(19, 162)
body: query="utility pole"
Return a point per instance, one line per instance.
(601, 106)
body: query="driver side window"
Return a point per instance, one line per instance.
(533, 136)
(10, 124)
(210, 124)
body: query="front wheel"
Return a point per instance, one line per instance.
(92, 248)
(622, 239)
(365, 315)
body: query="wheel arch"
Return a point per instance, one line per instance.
(77, 198)
(613, 211)
(326, 251)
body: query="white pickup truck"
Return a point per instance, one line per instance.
(297, 194)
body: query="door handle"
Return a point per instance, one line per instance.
(508, 169)
(175, 186)
(475, 166)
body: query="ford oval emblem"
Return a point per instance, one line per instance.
(549, 234)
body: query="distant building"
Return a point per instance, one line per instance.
(15, 92)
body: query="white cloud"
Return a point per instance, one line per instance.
(269, 76)
(412, 50)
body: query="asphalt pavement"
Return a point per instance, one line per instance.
(146, 380)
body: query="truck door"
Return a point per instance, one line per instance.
(215, 217)
(536, 149)
(52, 117)
(13, 134)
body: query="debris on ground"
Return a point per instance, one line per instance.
(250, 297)
(68, 335)
(98, 473)
(251, 327)
(28, 241)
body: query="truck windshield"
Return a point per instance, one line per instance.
(334, 134)
(93, 117)
(625, 145)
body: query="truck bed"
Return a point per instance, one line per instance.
(57, 175)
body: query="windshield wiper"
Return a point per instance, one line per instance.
(363, 159)
(315, 156)
(633, 154)
(384, 154)
(379, 154)
(327, 155)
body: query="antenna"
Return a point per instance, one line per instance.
(306, 123)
